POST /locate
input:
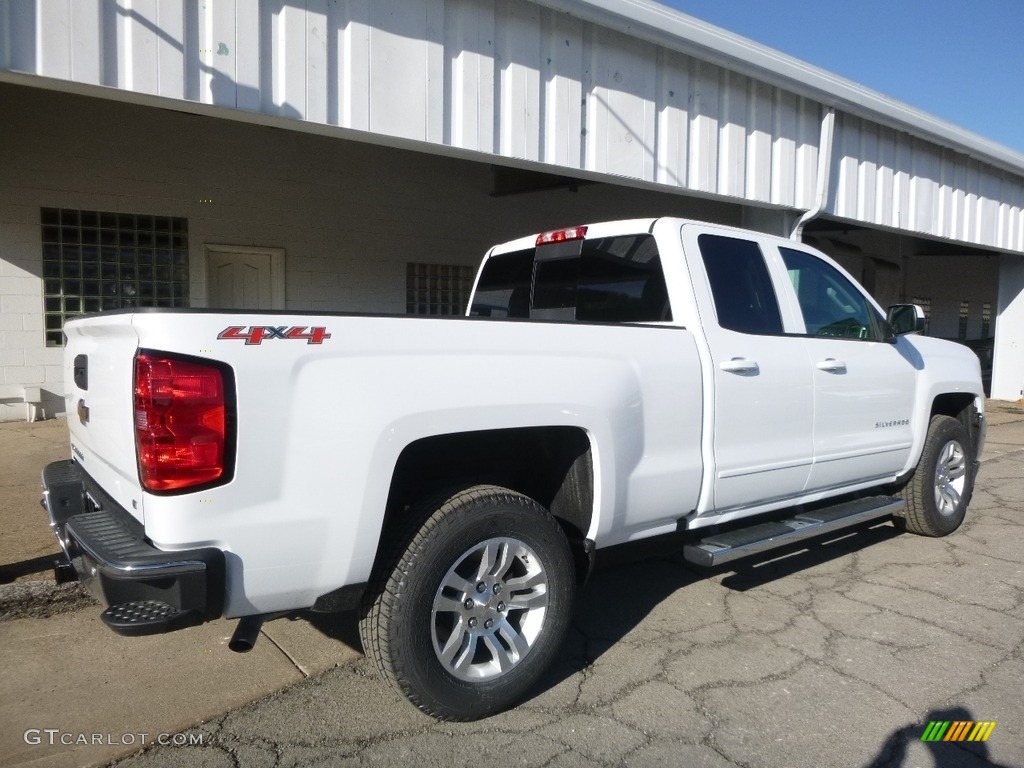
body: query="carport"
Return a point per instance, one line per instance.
(360, 156)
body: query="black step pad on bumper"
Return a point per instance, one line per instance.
(148, 617)
(718, 548)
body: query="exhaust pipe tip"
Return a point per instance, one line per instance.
(246, 633)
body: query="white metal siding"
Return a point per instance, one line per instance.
(523, 81)
(893, 179)
(496, 76)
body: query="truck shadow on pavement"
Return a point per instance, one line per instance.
(11, 571)
(343, 626)
(786, 561)
(629, 582)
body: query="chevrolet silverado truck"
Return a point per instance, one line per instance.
(452, 478)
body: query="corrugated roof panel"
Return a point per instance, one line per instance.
(626, 89)
(759, 168)
(620, 125)
(733, 135)
(169, 38)
(791, 168)
(54, 23)
(561, 64)
(705, 106)
(476, 80)
(140, 25)
(86, 41)
(1015, 224)
(317, 65)
(673, 120)
(349, 94)
(892, 179)
(401, 60)
(518, 90)
(18, 24)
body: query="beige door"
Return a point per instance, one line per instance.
(241, 278)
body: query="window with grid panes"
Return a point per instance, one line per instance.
(437, 289)
(95, 260)
(986, 320)
(965, 313)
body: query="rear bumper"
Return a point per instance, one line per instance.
(149, 590)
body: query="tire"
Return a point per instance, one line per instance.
(938, 492)
(472, 604)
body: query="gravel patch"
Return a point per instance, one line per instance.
(41, 599)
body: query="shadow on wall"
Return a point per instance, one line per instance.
(19, 25)
(224, 91)
(210, 69)
(18, 28)
(33, 404)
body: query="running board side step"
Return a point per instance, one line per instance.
(719, 548)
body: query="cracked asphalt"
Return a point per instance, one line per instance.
(837, 653)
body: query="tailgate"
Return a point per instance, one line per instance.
(99, 362)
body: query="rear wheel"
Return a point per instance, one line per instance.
(938, 492)
(472, 604)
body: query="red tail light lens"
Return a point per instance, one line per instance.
(561, 235)
(181, 422)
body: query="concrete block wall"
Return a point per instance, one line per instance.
(26, 364)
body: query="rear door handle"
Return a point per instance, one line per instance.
(740, 365)
(831, 365)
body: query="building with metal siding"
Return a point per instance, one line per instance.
(626, 94)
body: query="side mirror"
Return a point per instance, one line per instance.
(906, 318)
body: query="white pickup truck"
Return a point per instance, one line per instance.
(452, 478)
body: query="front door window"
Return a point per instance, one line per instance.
(831, 304)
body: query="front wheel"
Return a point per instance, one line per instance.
(472, 606)
(938, 492)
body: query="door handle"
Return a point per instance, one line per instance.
(741, 366)
(831, 365)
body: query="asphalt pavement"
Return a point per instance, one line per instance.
(836, 653)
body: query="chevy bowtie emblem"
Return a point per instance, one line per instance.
(83, 412)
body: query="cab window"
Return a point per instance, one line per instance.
(740, 285)
(831, 305)
(503, 290)
(604, 280)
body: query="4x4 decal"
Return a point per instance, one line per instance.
(255, 334)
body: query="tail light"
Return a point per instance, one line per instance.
(182, 422)
(561, 235)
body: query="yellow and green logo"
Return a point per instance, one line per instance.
(958, 730)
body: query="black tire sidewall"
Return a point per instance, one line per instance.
(944, 431)
(417, 668)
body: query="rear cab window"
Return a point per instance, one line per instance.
(741, 286)
(615, 279)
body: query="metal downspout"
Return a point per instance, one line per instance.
(824, 175)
